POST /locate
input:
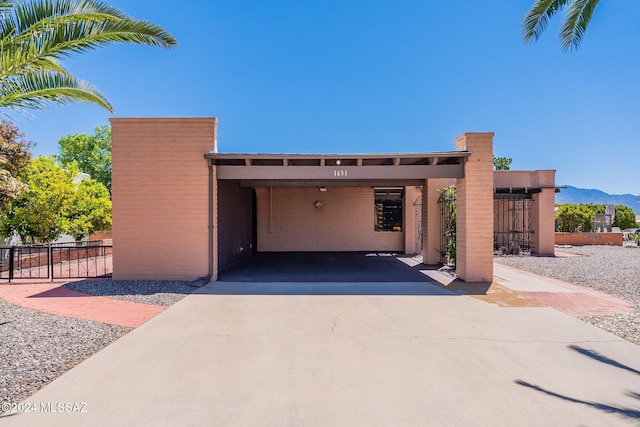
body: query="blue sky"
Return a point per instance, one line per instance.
(338, 76)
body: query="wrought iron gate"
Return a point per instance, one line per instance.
(512, 223)
(448, 215)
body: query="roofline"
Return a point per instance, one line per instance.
(215, 155)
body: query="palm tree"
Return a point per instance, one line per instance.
(574, 24)
(36, 34)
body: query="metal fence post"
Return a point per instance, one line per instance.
(50, 261)
(10, 263)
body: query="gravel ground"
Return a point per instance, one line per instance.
(610, 269)
(37, 347)
(164, 293)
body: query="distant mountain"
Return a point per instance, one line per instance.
(580, 195)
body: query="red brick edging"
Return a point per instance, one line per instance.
(56, 299)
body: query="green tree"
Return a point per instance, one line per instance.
(90, 210)
(39, 214)
(572, 218)
(502, 163)
(574, 23)
(15, 155)
(92, 153)
(36, 34)
(597, 208)
(625, 217)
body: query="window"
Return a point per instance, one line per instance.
(388, 209)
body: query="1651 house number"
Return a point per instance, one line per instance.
(339, 173)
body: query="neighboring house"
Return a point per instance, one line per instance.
(183, 210)
(81, 177)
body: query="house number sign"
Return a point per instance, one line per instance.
(339, 173)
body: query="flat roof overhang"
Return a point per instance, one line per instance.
(337, 169)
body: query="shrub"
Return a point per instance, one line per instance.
(573, 218)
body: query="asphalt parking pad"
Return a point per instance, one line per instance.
(327, 267)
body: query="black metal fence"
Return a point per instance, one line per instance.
(59, 261)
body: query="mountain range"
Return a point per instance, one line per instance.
(569, 194)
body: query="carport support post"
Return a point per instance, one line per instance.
(474, 200)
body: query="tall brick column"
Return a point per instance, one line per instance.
(543, 221)
(474, 234)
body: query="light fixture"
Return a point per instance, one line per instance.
(338, 162)
(323, 189)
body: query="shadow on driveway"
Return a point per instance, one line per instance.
(327, 267)
(631, 413)
(610, 409)
(328, 273)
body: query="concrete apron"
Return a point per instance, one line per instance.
(403, 354)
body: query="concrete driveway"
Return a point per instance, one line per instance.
(350, 354)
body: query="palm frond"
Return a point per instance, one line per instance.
(37, 90)
(36, 34)
(43, 16)
(40, 30)
(70, 36)
(575, 23)
(537, 18)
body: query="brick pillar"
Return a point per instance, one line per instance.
(474, 234)
(543, 221)
(431, 219)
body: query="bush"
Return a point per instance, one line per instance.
(625, 218)
(512, 249)
(573, 218)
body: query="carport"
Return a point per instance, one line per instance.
(323, 203)
(264, 203)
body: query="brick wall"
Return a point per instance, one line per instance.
(289, 221)
(585, 239)
(160, 197)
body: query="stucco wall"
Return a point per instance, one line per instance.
(545, 178)
(289, 221)
(412, 219)
(160, 197)
(543, 219)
